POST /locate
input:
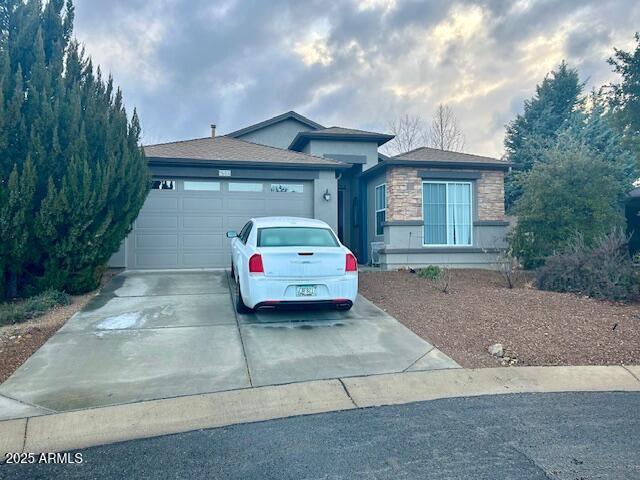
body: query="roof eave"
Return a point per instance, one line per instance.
(199, 162)
(302, 138)
(435, 164)
(271, 121)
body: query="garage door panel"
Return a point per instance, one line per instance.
(157, 240)
(186, 229)
(201, 204)
(235, 222)
(290, 206)
(157, 221)
(249, 205)
(202, 222)
(160, 202)
(204, 241)
(156, 260)
(205, 259)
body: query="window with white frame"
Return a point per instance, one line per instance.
(447, 212)
(287, 188)
(193, 185)
(245, 187)
(381, 208)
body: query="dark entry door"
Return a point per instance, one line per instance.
(341, 215)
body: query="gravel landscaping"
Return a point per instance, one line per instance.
(535, 327)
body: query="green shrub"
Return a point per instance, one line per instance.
(15, 312)
(603, 270)
(432, 272)
(571, 190)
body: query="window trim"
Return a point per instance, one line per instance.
(424, 223)
(378, 210)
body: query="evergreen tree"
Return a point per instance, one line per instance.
(573, 190)
(549, 111)
(73, 175)
(595, 129)
(624, 98)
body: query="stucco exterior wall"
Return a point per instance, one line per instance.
(323, 210)
(394, 261)
(279, 135)
(340, 147)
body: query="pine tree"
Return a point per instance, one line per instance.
(73, 173)
(624, 97)
(595, 129)
(552, 107)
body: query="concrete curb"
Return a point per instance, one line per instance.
(97, 426)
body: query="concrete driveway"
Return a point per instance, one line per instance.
(163, 334)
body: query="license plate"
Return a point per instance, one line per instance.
(306, 291)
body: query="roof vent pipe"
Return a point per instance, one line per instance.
(213, 130)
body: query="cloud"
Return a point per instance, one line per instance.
(186, 64)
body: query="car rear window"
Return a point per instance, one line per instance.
(296, 237)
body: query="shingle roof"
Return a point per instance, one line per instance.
(426, 154)
(231, 150)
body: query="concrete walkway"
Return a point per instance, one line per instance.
(167, 334)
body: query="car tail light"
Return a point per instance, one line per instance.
(255, 264)
(352, 263)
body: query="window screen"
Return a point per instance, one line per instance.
(447, 213)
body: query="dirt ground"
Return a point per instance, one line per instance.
(18, 342)
(535, 327)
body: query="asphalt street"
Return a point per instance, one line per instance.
(526, 436)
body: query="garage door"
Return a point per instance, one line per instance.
(183, 222)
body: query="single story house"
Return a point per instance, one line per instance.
(423, 207)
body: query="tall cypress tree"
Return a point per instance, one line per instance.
(73, 173)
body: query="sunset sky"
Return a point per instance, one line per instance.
(186, 64)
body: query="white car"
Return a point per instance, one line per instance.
(289, 261)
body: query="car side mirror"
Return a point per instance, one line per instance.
(232, 234)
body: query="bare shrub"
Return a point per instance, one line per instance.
(443, 281)
(602, 270)
(509, 268)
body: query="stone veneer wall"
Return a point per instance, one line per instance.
(404, 194)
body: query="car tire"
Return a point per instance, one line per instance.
(240, 306)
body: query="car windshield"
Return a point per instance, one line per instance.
(296, 237)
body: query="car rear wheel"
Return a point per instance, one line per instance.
(240, 306)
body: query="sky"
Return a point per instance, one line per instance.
(185, 64)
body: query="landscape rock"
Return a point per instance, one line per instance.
(496, 350)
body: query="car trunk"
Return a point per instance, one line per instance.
(301, 262)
